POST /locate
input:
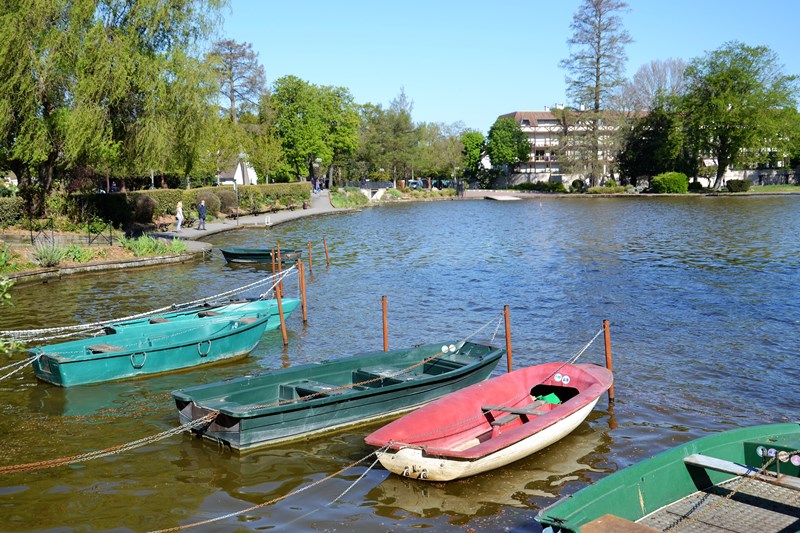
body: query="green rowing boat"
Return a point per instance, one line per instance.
(305, 400)
(739, 480)
(140, 348)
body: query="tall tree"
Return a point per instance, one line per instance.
(507, 144)
(737, 100)
(241, 77)
(474, 144)
(596, 66)
(93, 83)
(652, 83)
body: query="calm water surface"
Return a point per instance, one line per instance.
(701, 294)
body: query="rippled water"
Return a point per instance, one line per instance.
(701, 294)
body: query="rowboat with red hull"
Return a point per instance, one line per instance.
(491, 424)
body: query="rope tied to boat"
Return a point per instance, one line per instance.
(289, 495)
(114, 450)
(42, 334)
(388, 375)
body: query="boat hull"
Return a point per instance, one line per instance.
(308, 400)
(491, 424)
(639, 491)
(139, 349)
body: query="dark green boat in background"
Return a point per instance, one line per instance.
(258, 255)
(316, 398)
(743, 480)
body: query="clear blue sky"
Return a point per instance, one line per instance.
(471, 61)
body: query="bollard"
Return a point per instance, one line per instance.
(327, 257)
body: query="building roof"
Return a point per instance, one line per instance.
(533, 117)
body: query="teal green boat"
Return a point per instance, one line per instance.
(140, 348)
(316, 398)
(739, 480)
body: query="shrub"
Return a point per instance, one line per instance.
(78, 253)
(695, 186)
(738, 185)
(49, 255)
(670, 183)
(348, 197)
(577, 186)
(227, 200)
(615, 189)
(213, 202)
(147, 245)
(11, 210)
(542, 186)
(144, 208)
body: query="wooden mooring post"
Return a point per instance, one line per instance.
(310, 259)
(302, 277)
(327, 257)
(508, 337)
(385, 325)
(609, 362)
(285, 335)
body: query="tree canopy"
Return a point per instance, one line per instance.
(737, 101)
(507, 144)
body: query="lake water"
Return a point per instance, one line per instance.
(701, 293)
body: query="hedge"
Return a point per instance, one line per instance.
(145, 206)
(670, 183)
(738, 185)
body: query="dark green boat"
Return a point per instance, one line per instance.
(258, 255)
(739, 480)
(316, 398)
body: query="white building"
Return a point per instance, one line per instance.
(241, 174)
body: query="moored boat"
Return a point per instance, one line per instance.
(139, 348)
(315, 398)
(741, 480)
(491, 424)
(259, 255)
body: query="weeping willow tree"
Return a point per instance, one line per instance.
(109, 85)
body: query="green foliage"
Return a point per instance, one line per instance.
(11, 210)
(348, 197)
(737, 101)
(670, 183)
(696, 186)
(212, 201)
(541, 186)
(738, 185)
(227, 200)
(146, 246)
(474, 143)
(507, 144)
(577, 186)
(49, 255)
(607, 189)
(78, 254)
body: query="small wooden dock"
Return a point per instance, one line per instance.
(501, 197)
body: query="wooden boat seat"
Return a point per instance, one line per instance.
(387, 375)
(158, 320)
(729, 467)
(308, 387)
(514, 412)
(609, 523)
(104, 348)
(207, 313)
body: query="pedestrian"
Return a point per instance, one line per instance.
(201, 214)
(179, 215)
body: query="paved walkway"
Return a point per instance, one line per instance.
(320, 205)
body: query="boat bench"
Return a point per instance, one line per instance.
(388, 376)
(514, 412)
(202, 314)
(104, 348)
(729, 467)
(307, 387)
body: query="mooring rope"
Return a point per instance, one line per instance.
(31, 335)
(281, 498)
(51, 463)
(20, 365)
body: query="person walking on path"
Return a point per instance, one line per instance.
(179, 215)
(201, 215)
